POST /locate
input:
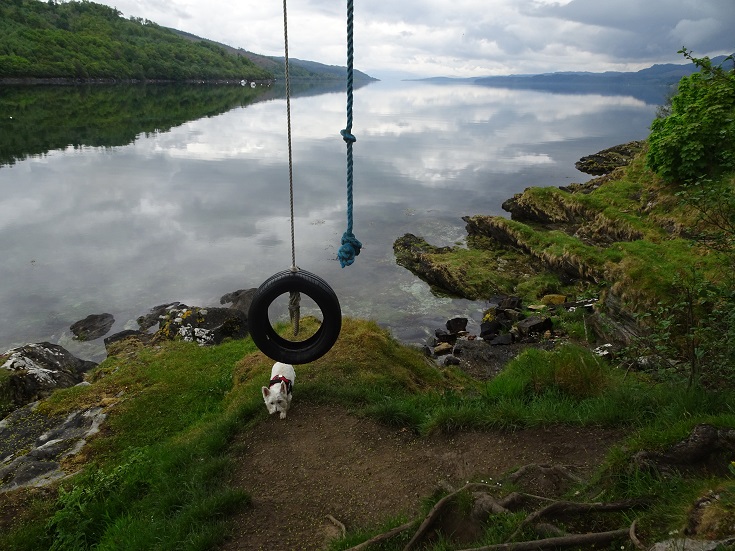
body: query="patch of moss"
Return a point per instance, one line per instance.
(6, 402)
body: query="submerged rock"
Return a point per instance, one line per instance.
(92, 327)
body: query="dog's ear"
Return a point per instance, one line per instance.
(284, 388)
(266, 392)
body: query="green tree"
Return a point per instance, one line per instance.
(697, 138)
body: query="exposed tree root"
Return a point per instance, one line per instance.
(634, 538)
(546, 530)
(572, 540)
(430, 519)
(382, 537)
(565, 508)
(338, 524)
(512, 502)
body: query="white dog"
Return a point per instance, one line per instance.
(277, 394)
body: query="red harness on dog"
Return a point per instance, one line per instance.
(281, 379)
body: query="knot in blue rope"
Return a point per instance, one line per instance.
(349, 250)
(350, 245)
(347, 136)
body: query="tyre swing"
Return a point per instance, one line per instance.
(296, 281)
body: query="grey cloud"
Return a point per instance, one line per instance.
(464, 38)
(632, 29)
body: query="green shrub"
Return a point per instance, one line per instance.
(691, 336)
(697, 139)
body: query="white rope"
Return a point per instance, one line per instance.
(294, 268)
(294, 301)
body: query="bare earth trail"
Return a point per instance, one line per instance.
(322, 461)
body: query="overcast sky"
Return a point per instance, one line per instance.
(461, 38)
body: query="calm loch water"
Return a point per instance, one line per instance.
(119, 199)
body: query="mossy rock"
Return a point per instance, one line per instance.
(609, 159)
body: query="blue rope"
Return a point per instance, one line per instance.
(350, 245)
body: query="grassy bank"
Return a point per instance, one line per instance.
(157, 477)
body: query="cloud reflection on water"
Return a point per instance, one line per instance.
(202, 210)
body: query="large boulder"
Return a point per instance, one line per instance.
(36, 370)
(534, 325)
(156, 314)
(239, 300)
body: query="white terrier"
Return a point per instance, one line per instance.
(277, 394)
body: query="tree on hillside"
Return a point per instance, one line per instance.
(87, 40)
(697, 138)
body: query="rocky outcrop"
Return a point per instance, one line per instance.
(548, 206)
(477, 272)
(204, 326)
(554, 209)
(563, 233)
(574, 263)
(33, 445)
(607, 160)
(113, 342)
(156, 314)
(419, 257)
(36, 370)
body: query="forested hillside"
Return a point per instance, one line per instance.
(299, 69)
(84, 40)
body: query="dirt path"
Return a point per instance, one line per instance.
(322, 461)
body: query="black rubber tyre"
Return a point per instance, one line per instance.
(294, 352)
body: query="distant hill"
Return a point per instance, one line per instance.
(665, 73)
(651, 85)
(299, 68)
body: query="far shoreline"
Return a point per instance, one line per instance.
(65, 81)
